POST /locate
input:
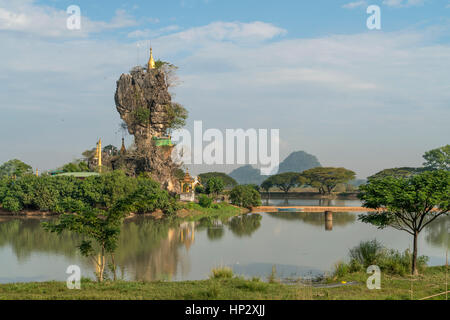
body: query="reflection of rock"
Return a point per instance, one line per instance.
(143, 102)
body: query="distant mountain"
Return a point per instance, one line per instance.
(296, 162)
(247, 175)
(299, 161)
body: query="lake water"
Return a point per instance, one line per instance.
(298, 244)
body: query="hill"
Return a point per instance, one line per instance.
(297, 161)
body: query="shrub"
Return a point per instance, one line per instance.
(221, 273)
(12, 204)
(245, 196)
(373, 253)
(205, 201)
(367, 252)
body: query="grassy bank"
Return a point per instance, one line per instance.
(431, 282)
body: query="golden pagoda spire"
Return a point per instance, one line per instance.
(122, 149)
(151, 61)
(100, 155)
(37, 172)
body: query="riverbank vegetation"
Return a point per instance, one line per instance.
(407, 204)
(222, 286)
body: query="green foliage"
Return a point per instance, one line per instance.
(285, 181)
(100, 226)
(438, 159)
(367, 252)
(403, 172)
(407, 204)
(141, 116)
(177, 116)
(148, 197)
(227, 180)
(245, 196)
(63, 194)
(373, 253)
(14, 167)
(199, 189)
(327, 178)
(221, 273)
(214, 186)
(76, 167)
(205, 201)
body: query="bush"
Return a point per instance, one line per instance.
(205, 201)
(373, 253)
(62, 194)
(221, 273)
(367, 252)
(245, 196)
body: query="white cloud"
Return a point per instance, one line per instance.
(356, 4)
(403, 3)
(148, 33)
(226, 31)
(26, 17)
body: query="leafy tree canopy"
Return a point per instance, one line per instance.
(285, 181)
(407, 204)
(327, 178)
(438, 159)
(227, 180)
(403, 172)
(14, 167)
(245, 196)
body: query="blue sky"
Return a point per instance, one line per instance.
(358, 98)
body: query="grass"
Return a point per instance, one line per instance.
(193, 211)
(432, 281)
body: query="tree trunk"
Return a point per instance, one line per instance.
(414, 270)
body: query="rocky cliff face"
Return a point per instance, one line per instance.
(142, 100)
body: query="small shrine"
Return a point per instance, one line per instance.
(188, 185)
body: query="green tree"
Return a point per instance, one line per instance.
(79, 166)
(227, 180)
(407, 204)
(214, 186)
(438, 159)
(14, 167)
(402, 172)
(285, 181)
(177, 116)
(245, 196)
(327, 178)
(95, 225)
(266, 185)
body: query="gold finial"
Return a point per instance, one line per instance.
(151, 61)
(37, 173)
(100, 155)
(122, 149)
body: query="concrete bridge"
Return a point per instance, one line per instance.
(312, 209)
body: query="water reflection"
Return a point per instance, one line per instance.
(317, 219)
(284, 202)
(152, 249)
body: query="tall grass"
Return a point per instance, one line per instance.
(374, 253)
(221, 273)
